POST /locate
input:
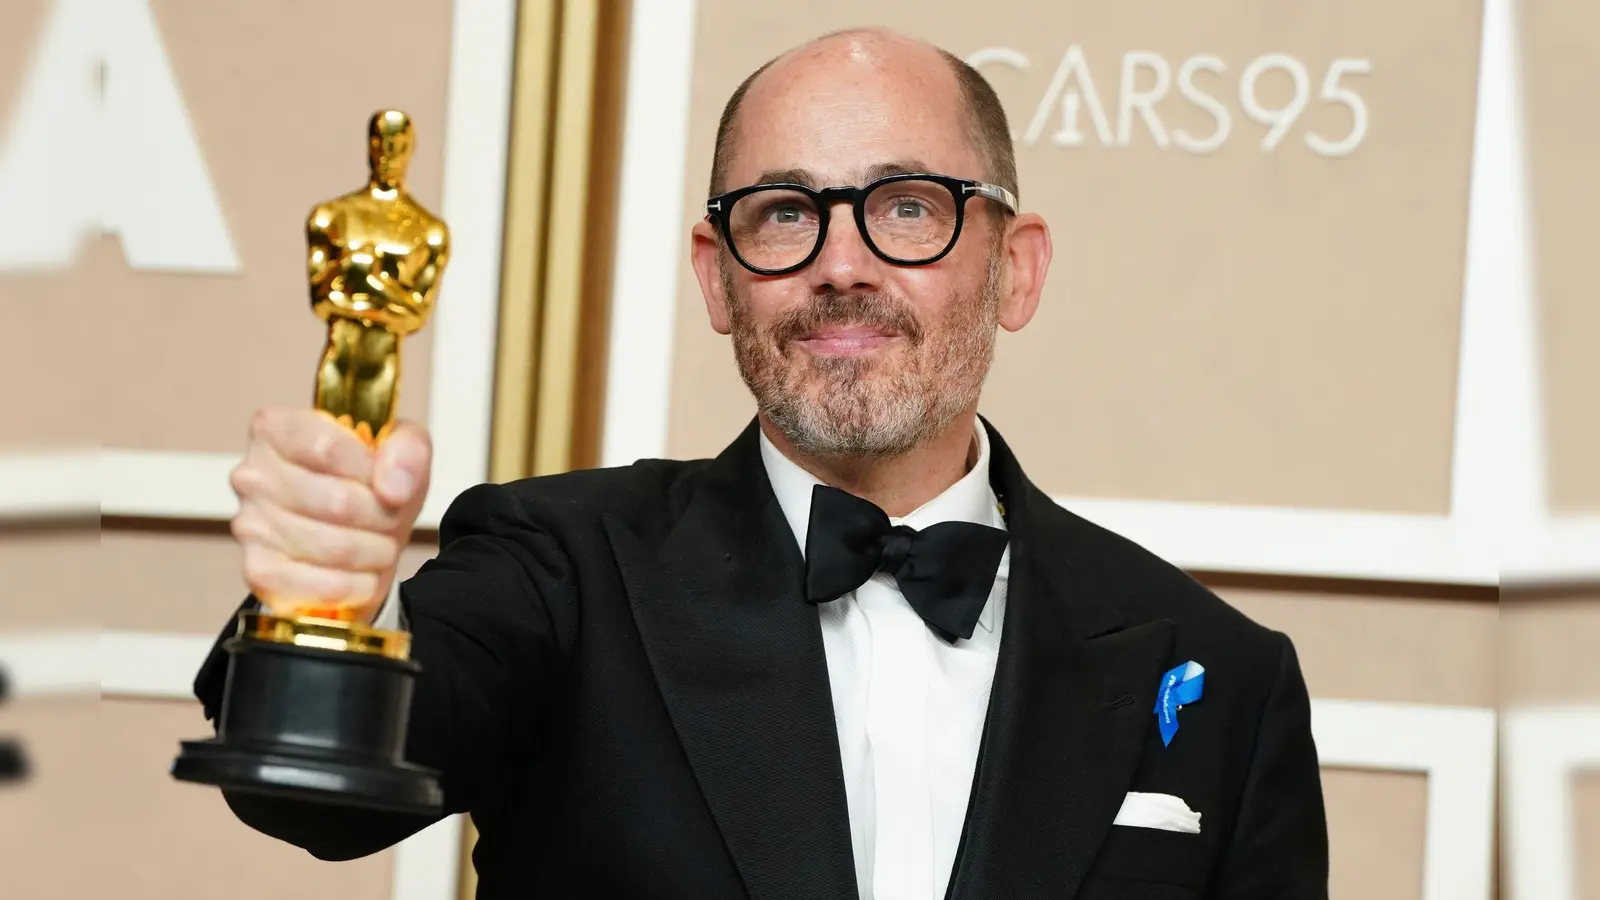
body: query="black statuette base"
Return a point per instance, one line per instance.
(325, 726)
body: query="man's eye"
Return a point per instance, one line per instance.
(909, 209)
(786, 215)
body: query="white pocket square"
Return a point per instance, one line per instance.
(1161, 811)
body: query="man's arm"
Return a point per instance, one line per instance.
(1279, 846)
(493, 618)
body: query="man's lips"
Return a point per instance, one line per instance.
(848, 340)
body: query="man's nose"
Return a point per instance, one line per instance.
(845, 262)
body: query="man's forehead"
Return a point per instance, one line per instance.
(858, 174)
(818, 149)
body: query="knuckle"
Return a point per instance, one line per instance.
(332, 585)
(259, 571)
(244, 479)
(320, 453)
(340, 551)
(385, 551)
(343, 503)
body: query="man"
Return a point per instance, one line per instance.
(720, 679)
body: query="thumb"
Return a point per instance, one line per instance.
(404, 460)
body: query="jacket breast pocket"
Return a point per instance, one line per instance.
(1154, 857)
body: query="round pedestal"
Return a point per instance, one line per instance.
(327, 726)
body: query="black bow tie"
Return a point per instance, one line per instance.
(945, 571)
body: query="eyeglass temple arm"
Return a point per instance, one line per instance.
(994, 192)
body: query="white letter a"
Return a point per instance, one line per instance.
(125, 161)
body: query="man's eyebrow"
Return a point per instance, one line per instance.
(870, 174)
(898, 167)
(788, 176)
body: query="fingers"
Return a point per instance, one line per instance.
(401, 467)
(267, 477)
(318, 543)
(323, 517)
(314, 441)
(286, 583)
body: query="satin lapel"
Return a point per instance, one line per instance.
(1067, 715)
(739, 660)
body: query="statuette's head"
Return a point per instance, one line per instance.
(389, 144)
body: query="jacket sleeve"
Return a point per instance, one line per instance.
(1278, 849)
(493, 617)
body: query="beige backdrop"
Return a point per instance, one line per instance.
(1546, 658)
(1547, 640)
(168, 361)
(279, 95)
(1562, 49)
(1240, 327)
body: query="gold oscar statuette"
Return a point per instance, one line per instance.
(317, 702)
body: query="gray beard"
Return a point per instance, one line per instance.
(843, 407)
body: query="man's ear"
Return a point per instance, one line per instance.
(703, 252)
(1028, 252)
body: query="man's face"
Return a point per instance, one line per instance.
(853, 356)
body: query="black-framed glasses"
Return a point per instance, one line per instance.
(907, 220)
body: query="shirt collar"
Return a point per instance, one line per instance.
(972, 499)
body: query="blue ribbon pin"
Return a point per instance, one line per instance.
(1179, 687)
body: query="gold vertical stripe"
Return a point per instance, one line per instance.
(600, 241)
(522, 262)
(563, 300)
(523, 239)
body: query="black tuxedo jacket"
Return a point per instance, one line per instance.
(622, 684)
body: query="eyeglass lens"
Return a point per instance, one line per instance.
(909, 221)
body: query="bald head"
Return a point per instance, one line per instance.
(915, 71)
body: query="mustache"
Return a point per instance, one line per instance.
(874, 310)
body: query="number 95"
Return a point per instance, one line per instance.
(1282, 118)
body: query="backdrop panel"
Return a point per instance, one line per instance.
(278, 95)
(1259, 215)
(101, 818)
(1376, 825)
(184, 580)
(1561, 42)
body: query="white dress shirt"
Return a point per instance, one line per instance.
(909, 707)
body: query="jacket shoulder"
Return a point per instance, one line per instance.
(1146, 587)
(646, 492)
